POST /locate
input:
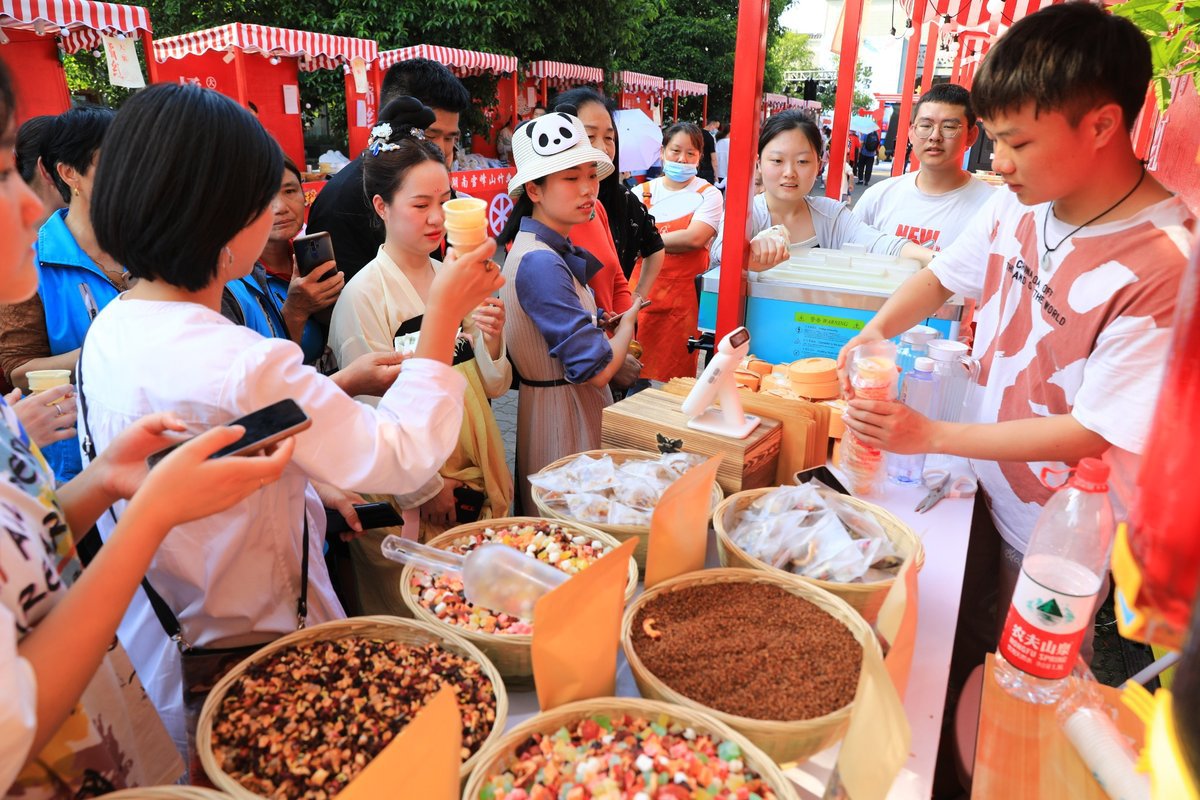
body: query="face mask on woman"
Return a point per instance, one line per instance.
(680, 173)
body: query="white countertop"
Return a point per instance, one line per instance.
(944, 531)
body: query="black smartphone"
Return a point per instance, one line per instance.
(313, 251)
(264, 428)
(468, 504)
(616, 318)
(825, 476)
(370, 515)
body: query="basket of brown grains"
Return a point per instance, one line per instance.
(866, 598)
(775, 659)
(304, 715)
(553, 507)
(595, 748)
(507, 641)
(167, 793)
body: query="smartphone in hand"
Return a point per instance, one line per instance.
(313, 251)
(613, 321)
(370, 516)
(265, 427)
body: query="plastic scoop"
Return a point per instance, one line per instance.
(494, 576)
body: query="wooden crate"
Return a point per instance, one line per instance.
(748, 463)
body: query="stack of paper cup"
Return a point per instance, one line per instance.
(42, 379)
(466, 222)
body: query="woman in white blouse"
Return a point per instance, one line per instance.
(234, 578)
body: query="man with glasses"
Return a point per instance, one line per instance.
(932, 205)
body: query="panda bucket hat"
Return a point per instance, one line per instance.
(549, 144)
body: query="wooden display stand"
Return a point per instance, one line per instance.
(748, 463)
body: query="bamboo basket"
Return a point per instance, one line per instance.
(166, 793)
(783, 741)
(497, 755)
(413, 632)
(618, 532)
(511, 653)
(865, 598)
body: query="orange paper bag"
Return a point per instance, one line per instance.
(897, 624)
(679, 527)
(576, 630)
(423, 762)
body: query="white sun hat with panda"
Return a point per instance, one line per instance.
(549, 144)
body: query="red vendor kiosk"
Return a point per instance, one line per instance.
(678, 88)
(773, 104)
(542, 75)
(463, 63)
(33, 32)
(641, 91)
(217, 58)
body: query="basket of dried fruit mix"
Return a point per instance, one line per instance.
(775, 659)
(304, 715)
(507, 641)
(625, 747)
(167, 793)
(865, 597)
(553, 504)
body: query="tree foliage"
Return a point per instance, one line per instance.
(790, 51)
(863, 98)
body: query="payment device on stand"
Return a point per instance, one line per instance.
(719, 382)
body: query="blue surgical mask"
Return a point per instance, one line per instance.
(680, 173)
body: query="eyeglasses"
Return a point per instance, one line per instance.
(949, 130)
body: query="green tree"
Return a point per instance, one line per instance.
(863, 98)
(790, 51)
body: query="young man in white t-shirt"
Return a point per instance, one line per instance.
(932, 205)
(1076, 266)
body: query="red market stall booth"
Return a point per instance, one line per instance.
(464, 64)
(542, 76)
(678, 88)
(33, 33)
(640, 91)
(261, 65)
(773, 104)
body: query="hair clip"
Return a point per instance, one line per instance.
(379, 139)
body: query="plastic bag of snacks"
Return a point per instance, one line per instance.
(602, 491)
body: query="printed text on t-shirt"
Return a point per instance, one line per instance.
(1042, 290)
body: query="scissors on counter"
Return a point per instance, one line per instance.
(941, 486)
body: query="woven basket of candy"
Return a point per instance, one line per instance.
(167, 793)
(506, 640)
(626, 488)
(625, 747)
(775, 659)
(305, 714)
(866, 593)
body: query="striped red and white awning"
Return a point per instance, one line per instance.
(637, 82)
(80, 23)
(973, 14)
(775, 101)
(686, 88)
(315, 50)
(460, 62)
(557, 73)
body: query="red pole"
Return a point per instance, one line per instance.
(516, 93)
(931, 51)
(676, 105)
(239, 69)
(958, 58)
(749, 61)
(545, 96)
(847, 62)
(705, 112)
(906, 91)
(148, 49)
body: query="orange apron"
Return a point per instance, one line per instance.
(665, 327)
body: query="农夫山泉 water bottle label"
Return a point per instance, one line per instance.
(1044, 629)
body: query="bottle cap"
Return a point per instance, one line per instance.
(919, 334)
(1091, 475)
(923, 364)
(947, 350)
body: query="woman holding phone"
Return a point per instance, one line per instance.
(406, 179)
(71, 705)
(564, 361)
(279, 298)
(234, 579)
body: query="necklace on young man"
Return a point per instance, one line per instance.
(1110, 209)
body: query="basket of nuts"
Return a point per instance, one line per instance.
(507, 641)
(304, 715)
(775, 659)
(625, 747)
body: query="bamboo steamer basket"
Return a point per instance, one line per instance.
(511, 653)
(407, 631)
(782, 740)
(865, 598)
(495, 758)
(167, 793)
(618, 532)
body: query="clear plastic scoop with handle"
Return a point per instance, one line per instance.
(494, 576)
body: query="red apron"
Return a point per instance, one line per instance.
(665, 327)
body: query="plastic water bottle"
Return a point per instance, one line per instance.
(914, 343)
(918, 394)
(1055, 596)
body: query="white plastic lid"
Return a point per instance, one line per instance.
(923, 364)
(946, 350)
(919, 334)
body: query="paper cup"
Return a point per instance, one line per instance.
(465, 212)
(42, 379)
(466, 238)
